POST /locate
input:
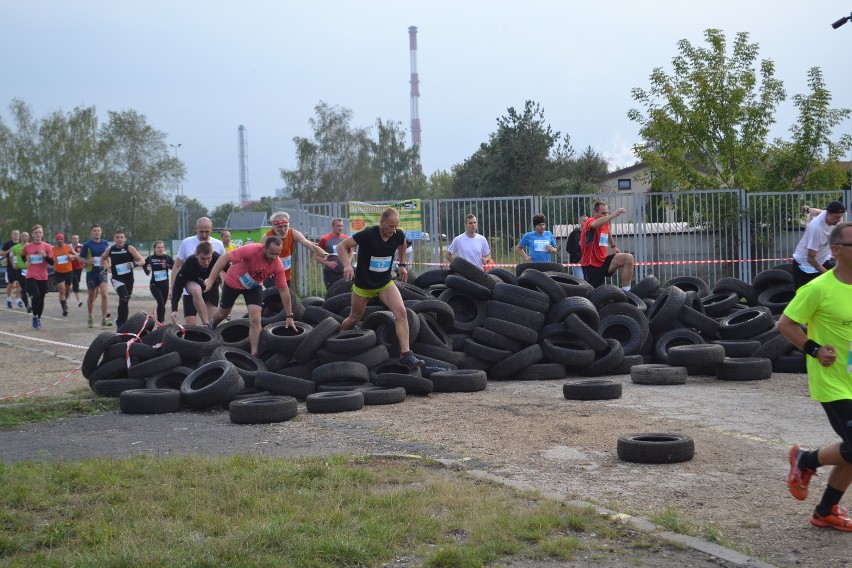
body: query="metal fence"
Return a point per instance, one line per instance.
(709, 234)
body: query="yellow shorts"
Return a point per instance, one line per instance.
(370, 292)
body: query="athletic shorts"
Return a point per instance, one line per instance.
(371, 292)
(252, 296)
(11, 274)
(64, 277)
(839, 414)
(95, 279)
(211, 297)
(595, 274)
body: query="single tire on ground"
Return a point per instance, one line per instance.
(658, 374)
(592, 389)
(655, 447)
(263, 409)
(149, 401)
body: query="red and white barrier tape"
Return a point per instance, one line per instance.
(28, 338)
(42, 389)
(645, 263)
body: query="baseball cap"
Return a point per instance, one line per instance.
(59, 237)
(835, 207)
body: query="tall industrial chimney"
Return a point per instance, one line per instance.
(415, 88)
(245, 193)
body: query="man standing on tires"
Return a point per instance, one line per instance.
(469, 245)
(812, 256)
(281, 228)
(595, 238)
(332, 270)
(820, 305)
(539, 242)
(376, 247)
(250, 265)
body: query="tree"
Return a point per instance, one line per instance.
(396, 166)
(219, 214)
(441, 185)
(706, 125)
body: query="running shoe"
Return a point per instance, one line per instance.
(411, 361)
(38, 322)
(9, 303)
(91, 322)
(798, 479)
(64, 311)
(79, 304)
(35, 322)
(20, 303)
(836, 519)
(29, 310)
(106, 323)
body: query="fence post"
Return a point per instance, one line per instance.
(745, 236)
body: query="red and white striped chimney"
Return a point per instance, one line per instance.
(415, 87)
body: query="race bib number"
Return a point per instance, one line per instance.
(333, 250)
(123, 268)
(604, 240)
(807, 269)
(96, 261)
(23, 272)
(248, 282)
(62, 259)
(540, 245)
(36, 259)
(380, 263)
(287, 262)
(160, 275)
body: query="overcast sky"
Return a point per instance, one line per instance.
(199, 69)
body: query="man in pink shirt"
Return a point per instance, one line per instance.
(250, 265)
(38, 254)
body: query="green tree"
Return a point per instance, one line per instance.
(219, 214)
(706, 125)
(441, 185)
(396, 166)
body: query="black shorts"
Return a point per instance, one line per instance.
(801, 278)
(211, 297)
(64, 277)
(595, 274)
(839, 414)
(252, 296)
(11, 274)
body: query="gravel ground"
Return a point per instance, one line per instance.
(525, 432)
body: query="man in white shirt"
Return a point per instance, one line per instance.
(469, 245)
(203, 228)
(812, 256)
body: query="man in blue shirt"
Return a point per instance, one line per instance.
(540, 242)
(96, 277)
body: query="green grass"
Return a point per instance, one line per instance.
(252, 511)
(671, 518)
(80, 402)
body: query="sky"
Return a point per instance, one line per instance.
(199, 69)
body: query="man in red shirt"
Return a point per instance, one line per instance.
(38, 255)
(595, 238)
(250, 265)
(332, 268)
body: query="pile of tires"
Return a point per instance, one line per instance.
(535, 323)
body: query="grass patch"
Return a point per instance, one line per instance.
(252, 511)
(672, 519)
(79, 402)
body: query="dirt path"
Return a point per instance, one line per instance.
(523, 431)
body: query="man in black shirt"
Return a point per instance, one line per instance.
(572, 247)
(376, 247)
(191, 276)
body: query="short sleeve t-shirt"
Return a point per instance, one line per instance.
(594, 244)
(249, 268)
(37, 254)
(17, 253)
(94, 250)
(189, 244)
(829, 322)
(472, 249)
(537, 245)
(329, 243)
(62, 264)
(375, 257)
(816, 239)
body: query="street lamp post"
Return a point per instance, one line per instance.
(180, 203)
(842, 21)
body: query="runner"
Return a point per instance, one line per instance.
(158, 265)
(250, 266)
(96, 277)
(226, 241)
(121, 258)
(63, 270)
(332, 270)
(281, 228)
(376, 246)
(203, 228)
(470, 245)
(189, 284)
(21, 271)
(38, 254)
(76, 268)
(11, 268)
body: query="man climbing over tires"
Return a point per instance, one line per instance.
(595, 239)
(823, 305)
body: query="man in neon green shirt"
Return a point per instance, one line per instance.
(17, 253)
(825, 305)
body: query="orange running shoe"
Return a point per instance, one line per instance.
(798, 479)
(836, 519)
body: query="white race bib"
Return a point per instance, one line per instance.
(62, 259)
(807, 269)
(96, 261)
(23, 272)
(380, 263)
(160, 275)
(123, 268)
(36, 259)
(248, 281)
(540, 245)
(287, 262)
(604, 240)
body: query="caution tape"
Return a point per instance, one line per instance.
(42, 389)
(28, 338)
(644, 263)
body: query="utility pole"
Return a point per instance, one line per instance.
(180, 202)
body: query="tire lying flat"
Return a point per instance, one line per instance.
(656, 447)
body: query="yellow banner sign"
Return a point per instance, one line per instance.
(363, 215)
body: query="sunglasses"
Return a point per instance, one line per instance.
(843, 244)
